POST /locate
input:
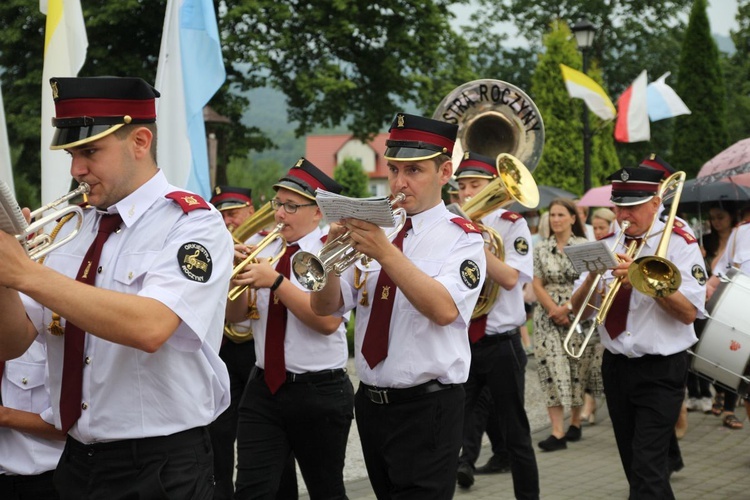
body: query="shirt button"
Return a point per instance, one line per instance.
(24, 381)
(99, 269)
(87, 360)
(84, 406)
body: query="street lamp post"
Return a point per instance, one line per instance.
(584, 32)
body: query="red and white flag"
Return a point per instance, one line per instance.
(632, 112)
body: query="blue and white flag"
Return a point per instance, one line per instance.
(662, 101)
(190, 71)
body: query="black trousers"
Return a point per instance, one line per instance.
(486, 420)
(411, 447)
(36, 487)
(499, 363)
(644, 397)
(176, 466)
(240, 360)
(310, 419)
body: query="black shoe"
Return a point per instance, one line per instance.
(465, 475)
(553, 444)
(495, 465)
(573, 434)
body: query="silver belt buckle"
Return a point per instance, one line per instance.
(378, 397)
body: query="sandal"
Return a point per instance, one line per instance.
(732, 422)
(718, 406)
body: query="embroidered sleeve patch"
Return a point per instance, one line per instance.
(195, 262)
(521, 245)
(470, 273)
(699, 274)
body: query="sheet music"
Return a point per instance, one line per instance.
(335, 207)
(12, 220)
(594, 257)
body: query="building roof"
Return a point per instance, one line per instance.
(321, 150)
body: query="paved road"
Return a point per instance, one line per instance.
(717, 461)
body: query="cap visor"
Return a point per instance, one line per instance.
(71, 137)
(230, 205)
(293, 186)
(628, 201)
(402, 153)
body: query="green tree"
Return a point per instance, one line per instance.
(352, 176)
(703, 133)
(561, 164)
(259, 175)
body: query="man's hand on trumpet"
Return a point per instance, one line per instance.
(369, 239)
(255, 275)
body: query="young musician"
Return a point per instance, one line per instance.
(299, 398)
(414, 302)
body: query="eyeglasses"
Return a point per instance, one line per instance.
(289, 207)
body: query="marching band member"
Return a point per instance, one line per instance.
(498, 359)
(299, 398)
(30, 445)
(645, 364)
(413, 309)
(238, 353)
(127, 309)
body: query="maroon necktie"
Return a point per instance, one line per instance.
(375, 344)
(72, 377)
(275, 365)
(617, 318)
(477, 327)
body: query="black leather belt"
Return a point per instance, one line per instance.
(498, 337)
(310, 377)
(384, 396)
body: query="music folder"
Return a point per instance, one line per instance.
(592, 257)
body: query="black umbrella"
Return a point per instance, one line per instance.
(694, 197)
(546, 195)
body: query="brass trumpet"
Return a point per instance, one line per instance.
(37, 243)
(252, 258)
(336, 256)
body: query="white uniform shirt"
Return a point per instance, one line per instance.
(24, 387)
(650, 329)
(509, 312)
(305, 350)
(737, 252)
(420, 350)
(129, 393)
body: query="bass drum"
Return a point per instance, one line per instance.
(723, 352)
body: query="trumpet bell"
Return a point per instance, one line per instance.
(654, 276)
(310, 271)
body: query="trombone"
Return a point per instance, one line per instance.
(252, 258)
(652, 275)
(606, 304)
(336, 256)
(37, 243)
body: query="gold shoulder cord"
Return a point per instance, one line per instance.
(54, 328)
(361, 284)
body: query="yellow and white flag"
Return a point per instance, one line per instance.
(583, 87)
(65, 45)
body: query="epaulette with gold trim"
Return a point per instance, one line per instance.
(689, 238)
(511, 216)
(188, 201)
(467, 225)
